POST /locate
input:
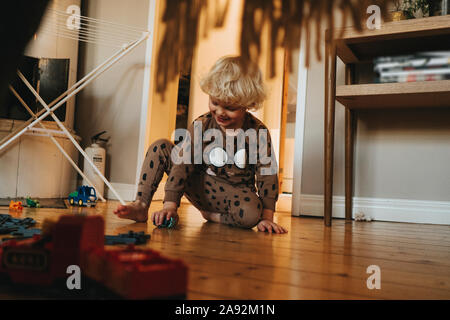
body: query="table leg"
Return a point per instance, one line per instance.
(330, 102)
(349, 149)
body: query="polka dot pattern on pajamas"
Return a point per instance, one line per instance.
(225, 188)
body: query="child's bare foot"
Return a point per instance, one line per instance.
(137, 211)
(211, 216)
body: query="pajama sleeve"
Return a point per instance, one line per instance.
(175, 184)
(267, 172)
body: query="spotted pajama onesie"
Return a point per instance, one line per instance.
(226, 187)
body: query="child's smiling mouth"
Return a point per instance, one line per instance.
(222, 119)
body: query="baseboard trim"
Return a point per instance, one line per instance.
(395, 210)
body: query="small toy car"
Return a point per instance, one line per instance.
(169, 224)
(84, 196)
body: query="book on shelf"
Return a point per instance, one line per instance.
(402, 72)
(422, 66)
(415, 63)
(414, 78)
(428, 54)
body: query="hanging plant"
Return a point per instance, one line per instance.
(287, 21)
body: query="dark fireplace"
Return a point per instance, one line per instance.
(49, 77)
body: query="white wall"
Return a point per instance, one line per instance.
(113, 101)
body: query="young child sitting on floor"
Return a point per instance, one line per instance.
(218, 181)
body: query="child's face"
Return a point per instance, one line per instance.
(228, 117)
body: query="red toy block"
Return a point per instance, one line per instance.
(35, 261)
(138, 273)
(25, 263)
(93, 264)
(73, 235)
(79, 240)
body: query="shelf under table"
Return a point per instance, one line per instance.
(390, 95)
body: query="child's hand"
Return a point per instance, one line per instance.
(269, 226)
(168, 211)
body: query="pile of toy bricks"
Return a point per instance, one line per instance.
(19, 228)
(129, 272)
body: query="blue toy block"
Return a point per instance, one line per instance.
(26, 233)
(127, 238)
(113, 240)
(21, 233)
(9, 224)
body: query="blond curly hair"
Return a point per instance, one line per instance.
(236, 82)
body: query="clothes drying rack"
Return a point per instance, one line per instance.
(71, 25)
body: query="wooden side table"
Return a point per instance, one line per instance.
(352, 47)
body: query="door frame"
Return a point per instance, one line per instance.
(299, 132)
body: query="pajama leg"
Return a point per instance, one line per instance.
(238, 205)
(156, 162)
(244, 207)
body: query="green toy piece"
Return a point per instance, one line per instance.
(33, 203)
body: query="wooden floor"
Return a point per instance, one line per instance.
(309, 262)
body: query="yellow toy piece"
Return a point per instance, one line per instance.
(16, 206)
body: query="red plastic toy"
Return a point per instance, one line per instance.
(15, 206)
(131, 273)
(137, 273)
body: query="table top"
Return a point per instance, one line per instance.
(393, 38)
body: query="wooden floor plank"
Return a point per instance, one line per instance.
(310, 262)
(414, 274)
(345, 283)
(245, 288)
(354, 241)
